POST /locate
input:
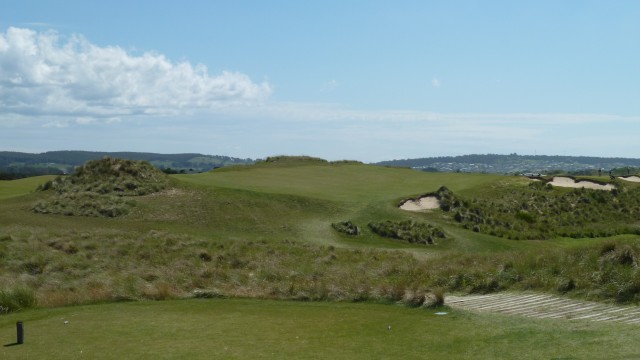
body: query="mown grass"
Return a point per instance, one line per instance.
(241, 329)
(14, 188)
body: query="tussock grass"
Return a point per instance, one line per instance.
(538, 211)
(346, 227)
(264, 232)
(74, 268)
(409, 230)
(16, 299)
(97, 188)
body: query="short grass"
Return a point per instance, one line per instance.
(261, 329)
(13, 188)
(346, 183)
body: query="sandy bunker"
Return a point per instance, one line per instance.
(570, 183)
(423, 203)
(631, 178)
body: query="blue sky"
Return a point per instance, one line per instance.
(365, 80)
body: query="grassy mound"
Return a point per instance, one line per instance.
(538, 211)
(98, 187)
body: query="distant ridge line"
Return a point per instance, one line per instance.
(494, 163)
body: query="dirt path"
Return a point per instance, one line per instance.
(545, 306)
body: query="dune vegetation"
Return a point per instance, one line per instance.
(277, 230)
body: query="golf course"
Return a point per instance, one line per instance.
(298, 257)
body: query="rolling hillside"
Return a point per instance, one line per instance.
(265, 232)
(238, 231)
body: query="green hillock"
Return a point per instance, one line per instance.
(539, 211)
(98, 188)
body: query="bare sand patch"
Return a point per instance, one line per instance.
(423, 203)
(631, 178)
(570, 183)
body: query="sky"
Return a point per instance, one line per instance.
(362, 80)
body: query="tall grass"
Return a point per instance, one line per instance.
(65, 268)
(97, 188)
(16, 299)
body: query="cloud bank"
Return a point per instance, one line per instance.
(42, 74)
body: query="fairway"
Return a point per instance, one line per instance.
(351, 183)
(13, 188)
(262, 329)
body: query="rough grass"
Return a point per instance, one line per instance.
(97, 188)
(271, 238)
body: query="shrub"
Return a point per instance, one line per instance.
(346, 227)
(408, 230)
(16, 299)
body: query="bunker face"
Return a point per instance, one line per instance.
(424, 203)
(631, 178)
(570, 183)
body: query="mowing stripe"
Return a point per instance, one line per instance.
(545, 306)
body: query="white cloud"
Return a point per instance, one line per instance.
(435, 82)
(41, 75)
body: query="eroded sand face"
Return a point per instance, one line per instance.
(630, 178)
(424, 203)
(570, 183)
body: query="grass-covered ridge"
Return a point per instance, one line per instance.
(97, 188)
(539, 211)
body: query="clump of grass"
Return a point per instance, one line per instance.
(98, 187)
(346, 227)
(408, 230)
(425, 299)
(17, 299)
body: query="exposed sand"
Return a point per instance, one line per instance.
(631, 178)
(424, 203)
(570, 183)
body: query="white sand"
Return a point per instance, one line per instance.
(570, 183)
(631, 178)
(424, 203)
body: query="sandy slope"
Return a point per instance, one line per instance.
(424, 203)
(631, 178)
(569, 182)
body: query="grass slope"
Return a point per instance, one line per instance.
(13, 188)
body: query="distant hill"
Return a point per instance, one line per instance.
(514, 163)
(17, 164)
